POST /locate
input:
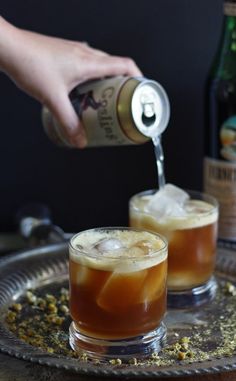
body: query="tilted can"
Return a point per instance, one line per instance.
(116, 111)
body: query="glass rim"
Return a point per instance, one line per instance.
(152, 254)
(208, 198)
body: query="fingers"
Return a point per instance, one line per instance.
(84, 63)
(92, 51)
(103, 66)
(71, 127)
(121, 65)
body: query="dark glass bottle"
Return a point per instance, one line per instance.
(220, 160)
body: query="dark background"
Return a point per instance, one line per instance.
(173, 42)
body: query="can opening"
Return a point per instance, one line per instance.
(148, 120)
(148, 106)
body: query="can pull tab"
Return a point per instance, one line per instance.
(148, 110)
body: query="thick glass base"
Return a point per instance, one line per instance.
(103, 349)
(194, 297)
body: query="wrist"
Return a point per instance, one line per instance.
(9, 45)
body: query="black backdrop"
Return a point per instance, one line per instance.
(173, 41)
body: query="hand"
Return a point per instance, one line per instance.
(48, 68)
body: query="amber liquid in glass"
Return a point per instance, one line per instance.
(191, 246)
(120, 305)
(112, 304)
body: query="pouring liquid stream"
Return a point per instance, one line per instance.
(159, 161)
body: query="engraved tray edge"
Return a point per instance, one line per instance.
(48, 265)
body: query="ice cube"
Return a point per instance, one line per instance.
(176, 193)
(109, 244)
(121, 290)
(145, 246)
(154, 284)
(135, 252)
(169, 201)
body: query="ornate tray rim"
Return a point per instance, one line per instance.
(226, 264)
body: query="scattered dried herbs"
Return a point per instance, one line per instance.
(42, 319)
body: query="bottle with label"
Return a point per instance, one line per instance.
(220, 160)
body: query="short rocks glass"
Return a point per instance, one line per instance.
(117, 292)
(190, 225)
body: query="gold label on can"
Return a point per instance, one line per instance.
(98, 103)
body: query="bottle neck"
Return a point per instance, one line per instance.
(225, 64)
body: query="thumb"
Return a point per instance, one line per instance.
(69, 122)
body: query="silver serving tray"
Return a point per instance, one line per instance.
(47, 267)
